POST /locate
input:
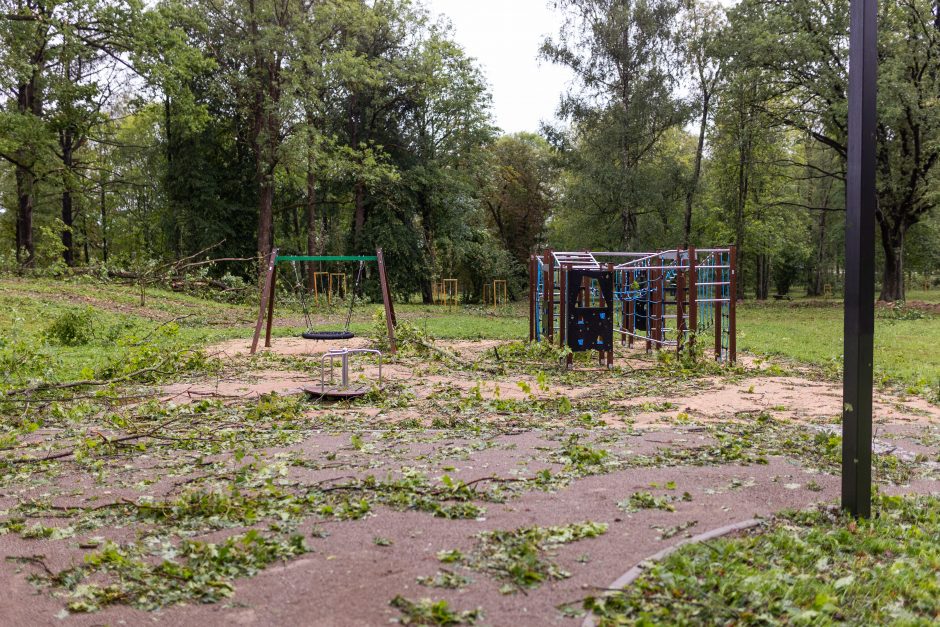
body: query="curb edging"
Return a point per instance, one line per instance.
(634, 573)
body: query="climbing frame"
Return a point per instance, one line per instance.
(660, 300)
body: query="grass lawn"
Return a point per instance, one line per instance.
(905, 349)
(925, 296)
(469, 323)
(102, 340)
(813, 568)
(807, 331)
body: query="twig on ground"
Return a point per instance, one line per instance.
(108, 441)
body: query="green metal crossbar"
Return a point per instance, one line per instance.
(324, 258)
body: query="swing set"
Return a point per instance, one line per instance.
(266, 306)
(310, 333)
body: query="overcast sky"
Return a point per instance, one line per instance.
(504, 36)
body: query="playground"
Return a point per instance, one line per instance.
(481, 478)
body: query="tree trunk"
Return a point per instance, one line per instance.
(68, 253)
(85, 237)
(740, 204)
(102, 199)
(817, 284)
(265, 122)
(265, 217)
(696, 172)
(27, 102)
(313, 224)
(427, 293)
(66, 142)
(25, 247)
(628, 226)
(359, 220)
(762, 290)
(892, 243)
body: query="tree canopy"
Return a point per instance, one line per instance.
(135, 133)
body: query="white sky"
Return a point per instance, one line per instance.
(504, 36)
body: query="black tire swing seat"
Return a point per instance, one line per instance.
(313, 334)
(327, 335)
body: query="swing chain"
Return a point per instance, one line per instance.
(303, 298)
(353, 297)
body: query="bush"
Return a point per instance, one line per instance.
(74, 327)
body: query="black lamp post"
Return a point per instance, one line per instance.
(860, 260)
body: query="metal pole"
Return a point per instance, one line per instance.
(549, 279)
(859, 261)
(533, 269)
(693, 293)
(732, 305)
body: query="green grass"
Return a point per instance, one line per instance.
(122, 295)
(905, 350)
(803, 330)
(925, 296)
(113, 338)
(466, 323)
(816, 568)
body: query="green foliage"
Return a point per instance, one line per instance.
(817, 106)
(22, 359)
(646, 500)
(619, 166)
(352, 125)
(581, 458)
(434, 613)
(408, 337)
(519, 193)
(900, 311)
(816, 567)
(520, 557)
(205, 570)
(445, 579)
(74, 327)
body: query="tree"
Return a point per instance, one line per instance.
(251, 42)
(66, 63)
(625, 58)
(519, 192)
(84, 74)
(702, 25)
(742, 143)
(25, 40)
(807, 67)
(444, 125)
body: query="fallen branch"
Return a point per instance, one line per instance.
(496, 480)
(107, 441)
(40, 387)
(32, 559)
(453, 357)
